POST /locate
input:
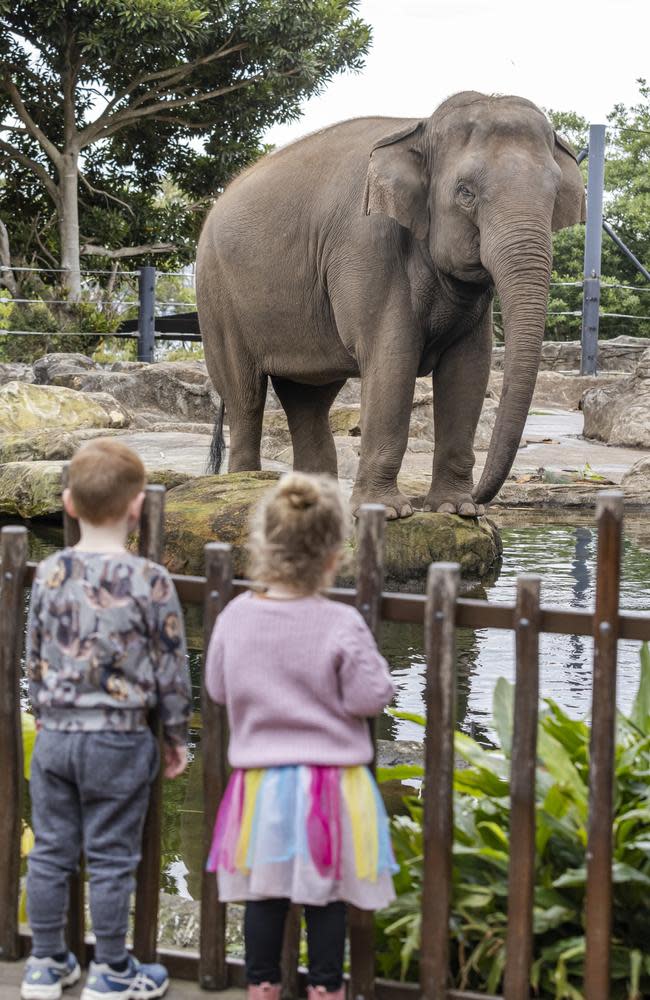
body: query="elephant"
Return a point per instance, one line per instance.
(374, 248)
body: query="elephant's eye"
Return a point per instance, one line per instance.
(464, 194)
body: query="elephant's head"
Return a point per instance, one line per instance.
(483, 183)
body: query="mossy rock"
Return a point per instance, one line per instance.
(39, 446)
(413, 543)
(26, 407)
(211, 509)
(217, 508)
(30, 489)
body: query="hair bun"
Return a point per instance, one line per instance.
(300, 491)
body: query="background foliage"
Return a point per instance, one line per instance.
(480, 876)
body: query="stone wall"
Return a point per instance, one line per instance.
(621, 354)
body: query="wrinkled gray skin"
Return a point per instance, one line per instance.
(373, 248)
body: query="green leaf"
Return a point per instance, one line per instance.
(28, 726)
(503, 712)
(640, 714)
(399, 772)
(420, 720)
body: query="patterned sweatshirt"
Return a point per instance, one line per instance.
(105, 643)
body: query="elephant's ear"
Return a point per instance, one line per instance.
(396, 181)
(570, 200)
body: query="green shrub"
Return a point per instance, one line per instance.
(481, 831)
(54, 321)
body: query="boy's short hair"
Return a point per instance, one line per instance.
(104, 477)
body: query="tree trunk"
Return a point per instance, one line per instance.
(69, 225)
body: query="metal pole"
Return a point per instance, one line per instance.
(593, 244)
(146, 323)
(626, 250)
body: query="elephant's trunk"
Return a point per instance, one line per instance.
(519, 260)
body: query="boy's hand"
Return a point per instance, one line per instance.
(175, 759)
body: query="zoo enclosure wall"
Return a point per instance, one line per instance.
(441, 611)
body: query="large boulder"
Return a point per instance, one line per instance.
(33, 489)
(26, 407)
(637, 478)
(217, 508)
(619, 413)
(15, 372)
(62, 369)
(168, 390)
(30, 489)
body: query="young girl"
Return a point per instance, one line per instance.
(302, 820)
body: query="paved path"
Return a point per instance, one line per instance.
(11, 975)
(551, 440)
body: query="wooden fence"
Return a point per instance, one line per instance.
(441, 611)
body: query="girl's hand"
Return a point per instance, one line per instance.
(175, 760)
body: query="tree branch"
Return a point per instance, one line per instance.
(104, 194)
(37, 133)
(13, 153)
(127, 117)
(170, 76)
(7, 276)
(90, 250)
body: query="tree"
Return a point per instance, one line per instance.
(100, 100)
(626, 208)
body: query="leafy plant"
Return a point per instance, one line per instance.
(478, 917)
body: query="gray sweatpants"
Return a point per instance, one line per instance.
(89, 791)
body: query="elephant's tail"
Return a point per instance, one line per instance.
(218, 444)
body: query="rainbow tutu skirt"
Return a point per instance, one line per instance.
(309, 834)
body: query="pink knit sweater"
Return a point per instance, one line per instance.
(298, 677)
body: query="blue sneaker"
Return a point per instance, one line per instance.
(45, 979)
(137, 981)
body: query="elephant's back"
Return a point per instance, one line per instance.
(320, 172)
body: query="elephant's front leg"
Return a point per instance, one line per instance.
(459, 384)
(387, 387)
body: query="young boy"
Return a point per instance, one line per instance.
(105, 644)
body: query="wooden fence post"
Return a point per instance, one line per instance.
(14, 557)
(213, 971)
(523, 760)
(370, 582)
(145, 927)
(598, 907)
(76, 929)
(440, 698)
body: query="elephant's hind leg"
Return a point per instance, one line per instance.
(307, 408)
(245, 399)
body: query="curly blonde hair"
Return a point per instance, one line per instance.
(295, 530)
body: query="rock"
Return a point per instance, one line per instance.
(216, 508)
(15, 372)
(30, 489)
(619, 413)
(556, 390)
(638, 477)
(620, 354)
(170, 390)
(62, 369)
(211, 509)
(39, 446)
(26, 407)
(413, 543)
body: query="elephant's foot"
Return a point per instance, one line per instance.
(448, 501)
(396, 504)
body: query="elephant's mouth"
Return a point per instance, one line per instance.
(473, 274)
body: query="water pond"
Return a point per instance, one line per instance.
(562, 552)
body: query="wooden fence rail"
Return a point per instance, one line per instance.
(442, 612)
